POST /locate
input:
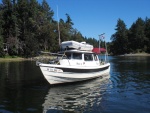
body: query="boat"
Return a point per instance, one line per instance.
(76, 62)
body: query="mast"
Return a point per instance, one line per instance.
(58, 26)
(106, 54)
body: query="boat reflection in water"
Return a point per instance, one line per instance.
(77, 97)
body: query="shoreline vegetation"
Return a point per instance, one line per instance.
(49, 57)
(14, 59)
(11, 59)
(135, 54)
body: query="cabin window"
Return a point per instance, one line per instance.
(77, 56)
(68, 55)
(88, 57)
(95, 57)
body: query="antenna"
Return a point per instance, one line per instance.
(100, 41)
(58, 26)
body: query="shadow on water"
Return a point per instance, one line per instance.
(21, 84)
(19, 73)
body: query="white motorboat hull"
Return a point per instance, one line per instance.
(56, 74)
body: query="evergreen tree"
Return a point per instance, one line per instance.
(1, 30)
(66, 29)
(1, 47)
(76, 35)
(147, 34)
(10, 29)
(46, 20)
(120, 39)
(6, 16)
(23, 11)
(68, 25)
(137, 36)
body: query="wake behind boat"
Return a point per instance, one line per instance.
(76, 63)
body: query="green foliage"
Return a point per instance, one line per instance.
(136, 39)
(1, 47)
(147, 34)
(27, 27)
(137, 34)
(120, 39)
(1, 38)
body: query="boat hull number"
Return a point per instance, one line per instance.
(55, 70)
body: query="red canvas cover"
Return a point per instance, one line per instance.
(97, 50)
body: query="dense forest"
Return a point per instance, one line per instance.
(27, 27)
(136, 39)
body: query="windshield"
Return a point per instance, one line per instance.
(88, 57)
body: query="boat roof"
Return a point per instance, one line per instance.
(61, 53)
(76, 51)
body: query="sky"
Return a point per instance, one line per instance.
(94, 17)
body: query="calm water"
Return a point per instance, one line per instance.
(126, 90)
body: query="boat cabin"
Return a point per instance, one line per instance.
(79, 58)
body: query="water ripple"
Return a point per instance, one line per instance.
(76, 98)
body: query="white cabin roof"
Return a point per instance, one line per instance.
(77, 51)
